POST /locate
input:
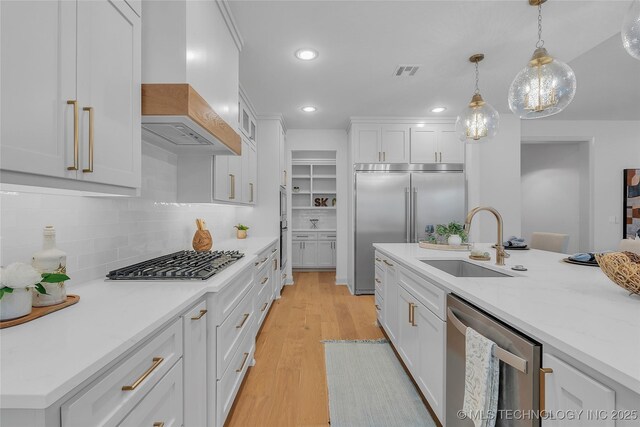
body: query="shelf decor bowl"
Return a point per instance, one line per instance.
(623, 268)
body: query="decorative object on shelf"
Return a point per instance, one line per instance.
(50, 260)
(623, 268)
(314, 223)
(333, 201)
(631, 204)
(296, 189)
(479, 120)
(631, 30)
(454, 240)
(320, 202)
(38, 312)
(202, 240)
(545, 86)
(16, 282)
(241, 232)
(443, 232)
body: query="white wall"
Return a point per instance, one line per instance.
(103, 233)
(615, 145)
(553, 179)
(329, 139)
(493, 179)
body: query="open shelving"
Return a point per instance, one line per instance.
(315, 180)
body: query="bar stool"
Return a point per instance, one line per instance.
(552, 242)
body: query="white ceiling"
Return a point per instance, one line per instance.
(361, 43)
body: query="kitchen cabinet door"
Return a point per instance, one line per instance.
(430, 363)
(248, 184)
(310, 254)
(195, 366)
(325, 254)
(296, 254)
(450, 148)
(407, 329)
(253, 174)
(391, 300)
(108, 82)
(367, 144)
(568, 389)
(394, 143)
(221, 178)
(424, 145)
(38, 77)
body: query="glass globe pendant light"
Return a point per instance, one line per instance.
(631, 30)
(545, 86)
(478, 122)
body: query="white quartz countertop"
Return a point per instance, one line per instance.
(44, 359)
(575, 309)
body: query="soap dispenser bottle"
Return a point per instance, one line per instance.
(50, 260)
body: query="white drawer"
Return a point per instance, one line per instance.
(231, 296)
(268, 252)
(424, 291)
(262, 276)
(379, 304)
(227, 386)
(106, 401)
(327, 235)
(232, 331)
(306, 235)
(378, 260)
(263, 299)
(162, 406)
(261, 261)
(379, 280)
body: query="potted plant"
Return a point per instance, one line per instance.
(241, 231)
(16, 284)
(453, 233)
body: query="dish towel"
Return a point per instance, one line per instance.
(515, 242)
(583, 257)
(482, 380)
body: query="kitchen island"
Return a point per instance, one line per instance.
(575, 312)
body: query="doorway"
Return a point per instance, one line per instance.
(556, 191)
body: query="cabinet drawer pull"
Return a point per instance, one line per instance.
(377, 280)
(251, 189)
(388, 263)
(199, 316)
(410, 318)
(264, 281)
(378, 259)
(301, 235)
(441, 157)
(158, 424)
(275, 264)
(244, 320)
(264, 307)
(377, 307)
(273, 250)
(244, 360)
(90, 168)
(256, 263)
(156, 362)
(75, 135)
(264, 260)
(412, 309)
(384, 156)
(543, 374)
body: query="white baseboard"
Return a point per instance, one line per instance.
(342, 282)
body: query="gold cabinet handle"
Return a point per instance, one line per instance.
(244, 320)
(410, 318)
(412, 315)
(199, 316)
(377, 307)
(264, 307)
(377, 280)
(264, 281)
(90, 168)
(273, 251)
(543, 374)
(244, 360)
(156, 362)
(388, 263)
(257, 263)
(378, 259)
(251, 189)
(75, 135)
(275, 264)
(158, 424)
(264, 260)
(232, 185)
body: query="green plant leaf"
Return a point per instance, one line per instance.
(54, 277)
(41, 289)
(8, 290)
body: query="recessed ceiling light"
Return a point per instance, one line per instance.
(306, 54)
(309, 109)
(438, 109)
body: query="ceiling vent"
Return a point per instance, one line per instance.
(406, 70)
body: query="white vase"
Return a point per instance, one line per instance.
(50, 260)
(15, 304)
(454, 240)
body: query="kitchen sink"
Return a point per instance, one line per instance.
(460, 268)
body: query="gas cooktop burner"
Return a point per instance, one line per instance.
(182, 265)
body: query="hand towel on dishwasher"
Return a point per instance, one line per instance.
(482, 380)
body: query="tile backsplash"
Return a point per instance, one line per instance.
(102, 233)
(326, 219)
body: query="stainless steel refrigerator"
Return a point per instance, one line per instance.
(395, 202)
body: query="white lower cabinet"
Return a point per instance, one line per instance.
(407, 344)
(162, 407)
(195, 366)
(390, 308)
(326, 255)
(568, 389)
(431, 360)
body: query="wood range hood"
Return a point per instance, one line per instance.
(178, 115)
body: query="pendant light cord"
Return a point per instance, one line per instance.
(540, 41)
(477, 79)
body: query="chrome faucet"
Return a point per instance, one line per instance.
(500, 253)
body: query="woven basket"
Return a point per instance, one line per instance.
(623, 268)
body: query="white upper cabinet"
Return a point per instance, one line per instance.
(249, 172)
(394, 143)
(436, 143)
(70, 77)
(367, 144)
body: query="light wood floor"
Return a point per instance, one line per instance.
(287, 386)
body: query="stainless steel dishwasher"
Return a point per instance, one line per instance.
(520, 359)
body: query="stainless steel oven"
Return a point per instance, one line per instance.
(283, 228)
